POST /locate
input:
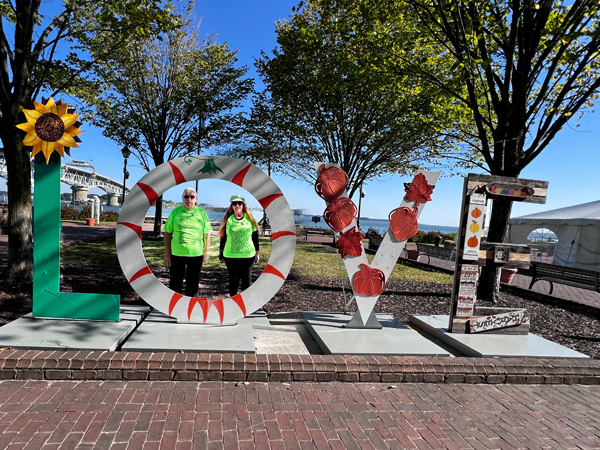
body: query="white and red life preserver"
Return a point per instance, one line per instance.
(203, 310)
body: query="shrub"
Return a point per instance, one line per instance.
(109, 216)
(71, 213)
(450, 237)
(427, 238)
(68, 213)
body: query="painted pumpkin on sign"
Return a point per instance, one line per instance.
(331, 183)
(403, 223)
(340, 213)
(474, 227)
(368, 281)
(472, 242)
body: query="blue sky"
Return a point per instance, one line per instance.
(570, 164)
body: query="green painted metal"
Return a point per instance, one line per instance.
(48, 301)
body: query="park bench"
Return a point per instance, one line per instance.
(375, 240)
(581, 278)
(316, 230)
(266, 230)
(302, 232)
(449, 254)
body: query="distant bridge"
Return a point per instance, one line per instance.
(81, 176)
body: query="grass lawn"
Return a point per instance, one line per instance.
(314, 260)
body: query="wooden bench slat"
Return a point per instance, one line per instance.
(581, 278)
(439, 252)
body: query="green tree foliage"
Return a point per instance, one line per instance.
(326, 102)
(169, 96)
(45, 53)
(520, 69)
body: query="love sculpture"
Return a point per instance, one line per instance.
(368, 281)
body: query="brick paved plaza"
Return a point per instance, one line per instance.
(210, 415)
(116, 400)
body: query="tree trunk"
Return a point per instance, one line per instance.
(489, 282)
(20, 232)
(158, 216)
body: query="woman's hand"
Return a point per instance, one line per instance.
(205, 258)
(167, 260)
(257, 258)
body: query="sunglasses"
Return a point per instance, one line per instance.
(189, 196)
(237, 203)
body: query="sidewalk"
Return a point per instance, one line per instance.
(130, 400)
(215, 415)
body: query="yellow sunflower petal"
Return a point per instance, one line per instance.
(62, 108)
(31, 115)
(67, 141)
(36, 149)
(51, 106)
(47, 149)
(69, 119)
(73, 131)
(26, 127)
(39, 107)
(31, 138)
(60, 149)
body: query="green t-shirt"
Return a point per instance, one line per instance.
(188, 227)
(239, 238)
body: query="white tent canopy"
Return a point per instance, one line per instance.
(577, 228)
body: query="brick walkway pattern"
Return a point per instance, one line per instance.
(144, 415)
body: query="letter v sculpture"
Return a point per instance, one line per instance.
(368, 280)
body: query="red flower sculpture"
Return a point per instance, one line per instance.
(368, 281)
(403, 223)
(350, 243)
(340, 213)
(419, 190)
(331, 183)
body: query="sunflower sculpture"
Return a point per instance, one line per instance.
(50, 127)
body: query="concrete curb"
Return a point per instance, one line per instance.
(104, 365)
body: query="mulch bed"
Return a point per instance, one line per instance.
(572, 325)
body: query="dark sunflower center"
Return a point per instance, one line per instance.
(49, 127)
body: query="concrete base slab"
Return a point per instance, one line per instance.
(492, 345)
(393, 339)
(65, 334)
(161, 333)
(258, 320)
(277, 341)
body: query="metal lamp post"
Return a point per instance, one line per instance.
(360, 197)
(126, 153)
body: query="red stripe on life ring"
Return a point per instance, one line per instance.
(266, 201)
(193, 302)
(219, 305)
(133, 226)
(173, 302)
(150, 193)
(279, 234)
(240, 302)
(179, 178)
(140, 273)
(239, 177)
(206, 304)
(272, 270)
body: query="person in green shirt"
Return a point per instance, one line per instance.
(239, 244)
(187, 234)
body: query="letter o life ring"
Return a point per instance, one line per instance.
(224, 311)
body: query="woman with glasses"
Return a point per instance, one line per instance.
(239, 244)
(187, 239)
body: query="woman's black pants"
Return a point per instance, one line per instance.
(190, 267)
(239, 268)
